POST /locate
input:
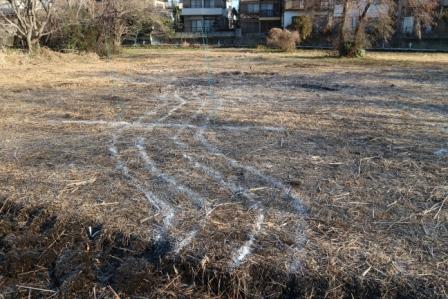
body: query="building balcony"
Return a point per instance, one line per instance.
(294, 4)
(214, 34)
(203, 11)
(269, 13)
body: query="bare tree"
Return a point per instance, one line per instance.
(101, 26)
(365, 21)
(423, 13)
(365, 16)
(30, 18)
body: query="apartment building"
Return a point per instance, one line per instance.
(259, 16)
(208, 16)
(407, 20)
(321, 11)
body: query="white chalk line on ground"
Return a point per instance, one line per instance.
(213, 150)
(152, 112)
(150, 165)
(241, 253)
(152, 168)
(245, 250)
(141, 125)
(297, 202)
(211, 172)
(173, 110)
(162, 206)
(215, 175)
(168, 212)
(192, 234)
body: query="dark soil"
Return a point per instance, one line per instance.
(38, 250)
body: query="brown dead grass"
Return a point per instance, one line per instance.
(361, 143)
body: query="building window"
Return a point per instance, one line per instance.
(250, 27)
(212, 3)
(201, 25)
(325, 4)
(196, 25)
(267, 6)
(294, 4)
(252, 8)
(354, 22)
(267, 10)
(408, 24)
(196, 3)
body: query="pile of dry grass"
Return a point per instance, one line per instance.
(13, 57)
(44, 56)
(283, 39)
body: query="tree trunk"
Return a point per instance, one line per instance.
(29, 43)
(341, 40)
(32, 44)
(357, 44)
(359, 41)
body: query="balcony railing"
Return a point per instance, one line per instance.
(203, 4)
(269, 13)
(294, 4)
(202, 11)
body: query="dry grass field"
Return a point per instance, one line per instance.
(223, 173)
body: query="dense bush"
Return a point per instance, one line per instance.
(103, 28)
(283, 39)
(84, 37)
(303, 25)
(350, 49)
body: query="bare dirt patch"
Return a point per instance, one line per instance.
(167, 173)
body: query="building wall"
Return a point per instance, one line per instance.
(250, 26)
(260, 16)
(206, 15)
(266, 25)
(205, 23)
(288, 15)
